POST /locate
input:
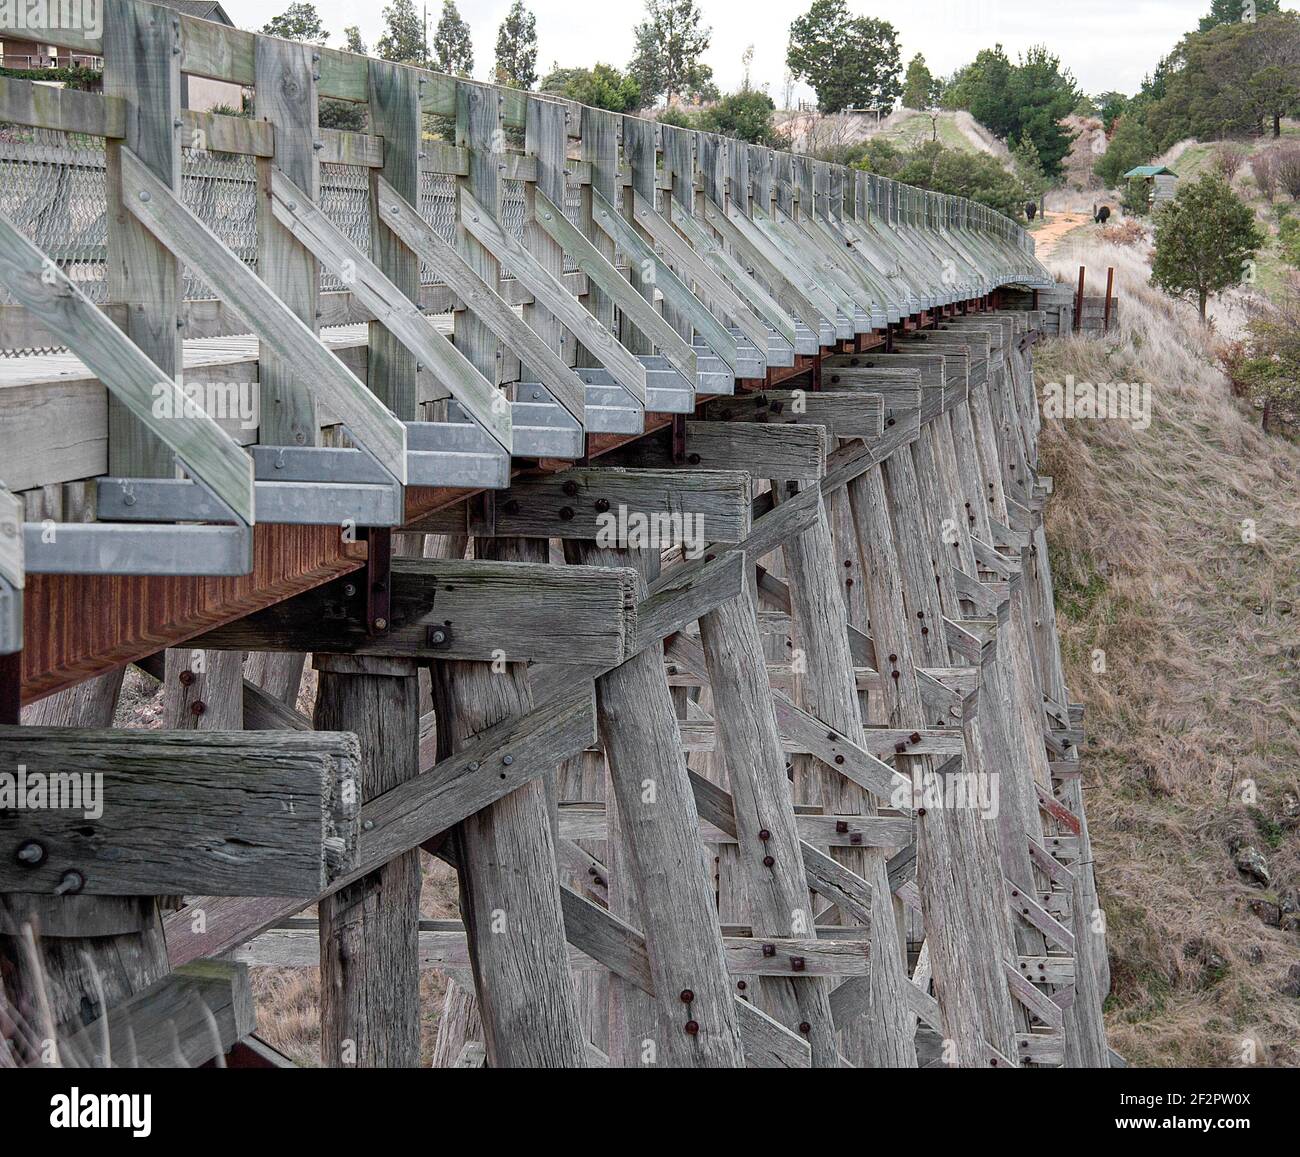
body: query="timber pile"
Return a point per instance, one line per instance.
(717, 655)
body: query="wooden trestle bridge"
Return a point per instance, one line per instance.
(670, 558)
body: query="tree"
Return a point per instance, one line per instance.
(850, 61)
(403, 39)
(1263, 168)
(1110, 107)
(918, 84)
(957, 172)
(1265, 368)
(1234, 12)
(452, 50)
(1130, 145)
(745, 115)
(1205, 238)
(1286, 164)
(669, 43)
(1029, 168)
(1028, 99)
(601, 86)
(1228, 159)
(517, 48)
(298, 22)
(352, 40)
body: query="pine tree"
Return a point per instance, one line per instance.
(403, 39)
(851, 61)
(517, 48)
(452, 50)
(918, 85)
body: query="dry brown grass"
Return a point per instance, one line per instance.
(1201, 691)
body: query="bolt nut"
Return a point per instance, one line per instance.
(381, 624)
(571, 489)
(692, 1027)
(71, 884)
(567, 514)
(764, 835)
(198, 707)
(797, 964)
(805, 1027)
(768, 861)
(687, 996)
(186, 678)
(769, 950)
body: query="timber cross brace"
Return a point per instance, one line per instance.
(671, 565)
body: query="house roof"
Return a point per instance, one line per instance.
(203, 9)
(1151, 171)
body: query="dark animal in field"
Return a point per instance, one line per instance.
(1103, 215)
(1031, 210)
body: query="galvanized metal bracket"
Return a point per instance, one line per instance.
(130, 549)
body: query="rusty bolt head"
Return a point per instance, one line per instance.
(381, 624)
(571, 489)
(693, 459)
(855, 838)
(925, 630)
(186, 678)
(687, 996)
(920, 811)
(797, 964)
(567, 514)
(893, 658)
(900, 748)
(805, 1027)
(741, 985)
(890, 422)
(839, 759)
(768, 861)
(895, 674)
(915, 737)
(842, 827)
(198, 707)
(769, 949)
(765, 835)
(602, 505)
(692, 1027)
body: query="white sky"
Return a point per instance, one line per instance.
(1108, 44)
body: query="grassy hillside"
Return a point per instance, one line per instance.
(1193, 760)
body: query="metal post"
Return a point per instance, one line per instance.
(1110, 288)
(1078, 301)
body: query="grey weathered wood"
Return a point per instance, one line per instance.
(275, 322)
(195, 1015)
(394, 115)
(370, 998)
(141, 68)
(410, 815)
(139, 388)
(475, 294)
(657, 810)
(627, 371)
(587, 501)
(845, 415)
(187, 812)
(43, 106)
(785, 452)
(510, 895)
(288, 97)
(589, 260)
(522, 611)
(884, 1039)
(764, 814)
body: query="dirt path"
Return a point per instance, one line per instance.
(1058, 225)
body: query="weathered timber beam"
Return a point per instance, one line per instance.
(458, 609)
(786, 452)
(409, 816)
(42, 106)
(845, 415)
(402, 317)
(622, 949)
(197, 1013)
(160, 210)
(639, 508)
(145, 813)
(589, 260)
(443, 945)
(551, 293)
(587, 822)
